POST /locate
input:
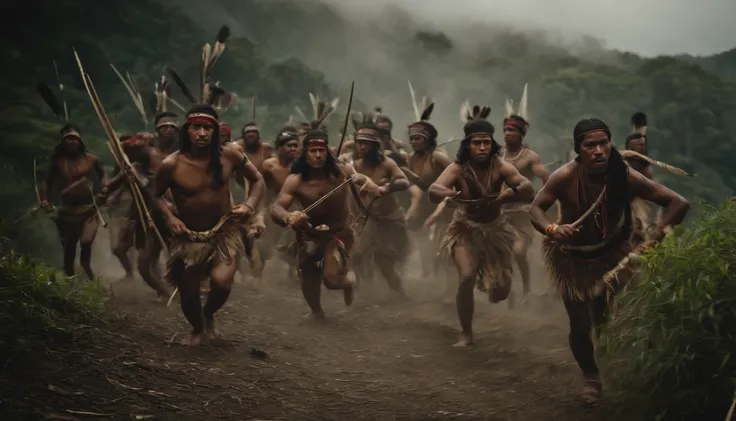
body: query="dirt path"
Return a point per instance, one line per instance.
(380, 360)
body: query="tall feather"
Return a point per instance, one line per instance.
(427, 112)
(523, 110)
(301, 113)
(182, 86)
(414, 101)
(315, 105)
(204, 71)
(134, 95)
(50, 99)
(466, 111)
(222, 36)
(508, 107)
(639, 123)
(214, 95)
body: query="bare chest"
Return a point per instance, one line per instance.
(72, 170)
(194, 177)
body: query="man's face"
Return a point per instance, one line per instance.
(480, 147)
(167, 131)
(512, 135)
(290, 149)
(316, 156)
(200, 134)
(250, 137)
(384, 125)
(594, 152)
(72, 141)
(638, 145)
(363, 146)
(417, 142)
(224, 135)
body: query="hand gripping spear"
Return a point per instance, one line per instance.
(117, 152)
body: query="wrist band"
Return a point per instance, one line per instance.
(550, 229)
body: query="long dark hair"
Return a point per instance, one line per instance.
(215, 165)
(463, 152)
(617, 180)
(374, 156)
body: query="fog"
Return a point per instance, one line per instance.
(649, 28)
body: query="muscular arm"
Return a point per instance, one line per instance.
(524, 188)
(539, 170)
(442, 187)
(249, 171)
(161, 182)
(546, 197)
(398, 178)
(104, 181)
(675, 206)
(284, 200)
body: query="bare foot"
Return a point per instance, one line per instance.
(465, 341)
(592, 390)
(211, 330)
(193, 339)
(349, 295)
(315, 316)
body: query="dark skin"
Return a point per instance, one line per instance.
(333, 212)
(530, 166)
(147, 160)
(428, 164)
(595, 150)
(386, 204)
(200, 205)
(71, 166)
(449, 183)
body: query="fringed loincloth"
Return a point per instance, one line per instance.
(385, 236)
(71, 220)
(226, 245)
(641, 219)
(518, 217)
(578, 271)
(313, 244)
(492, 246)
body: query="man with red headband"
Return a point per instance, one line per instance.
(384, 237)
(71, 172)
(586, 257)
(205, 239)
(324, 236)
(226, 134)
(479, 239)
(521, 156)
(146, 159)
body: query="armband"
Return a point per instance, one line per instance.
(551, 228)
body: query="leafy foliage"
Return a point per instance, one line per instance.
(669, 348)
(38, 304)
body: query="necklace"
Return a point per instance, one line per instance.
(516, 157)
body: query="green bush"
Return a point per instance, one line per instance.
(39, 304)
(668, 349)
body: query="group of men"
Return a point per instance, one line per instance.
(353, 210)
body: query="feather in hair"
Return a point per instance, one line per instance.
(523, 110)
(50, 99)
(301, 113)
(427, 112)
(315, 105)
(639, 123)
(222, 36)
(465, 111)
(182, 86)
(508, 107)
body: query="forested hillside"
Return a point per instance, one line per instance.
(282, 49)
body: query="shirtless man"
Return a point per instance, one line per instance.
(226, 134)
(427, 163)
(325, 237)
(580, 257)
(205, 239)
(385, 237)
(479, 239)
(71, 172)
(529, 165)
(257, 152)
(275, 170)
(640, 209)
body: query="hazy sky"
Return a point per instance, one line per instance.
(647, 27)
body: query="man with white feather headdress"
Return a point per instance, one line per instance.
(479, 239)
(523, 158)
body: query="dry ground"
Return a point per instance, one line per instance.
(380, 360)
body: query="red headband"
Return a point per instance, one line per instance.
(226, 129)
(201, 118)
(515, 124)
(316, 143)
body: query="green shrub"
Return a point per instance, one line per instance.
(668, 349)
(39, 304)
